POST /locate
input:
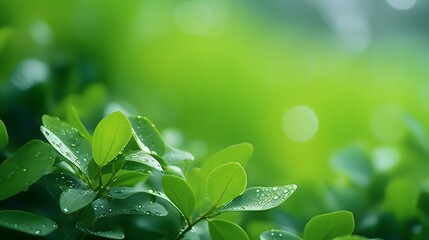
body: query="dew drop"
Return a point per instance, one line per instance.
(275, 188)
(37, 232)
(280, 234)
(16, 225)
(285, 191)
(66, 210)
(276, 197)
(24, 169)
(43, 225)
(257, 190)
(37, 154)
(272, 234)
(54, 225)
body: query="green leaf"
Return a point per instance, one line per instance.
(180, 193)
(259, 198)
(62, 180)
(72, 200)
(354, 237)
(4, 138)
(110, 137)
(330, 225)
(355, 163)
(226, 230)
(398, 191)
(239, 153)
(147, 136)
(225, 183)
(25, 167)
(27, 222)
(143, 158)
(69, 142)
(74, 120)
(135, 204)
(111, 234)
(129, 178)
(275, 234)
(176, 156)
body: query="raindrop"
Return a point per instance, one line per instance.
(285, 191)
(272, 234)
(16, 225)
(38, 232)
(276, 197)
(54, 225)
(37, 154)
(274, 188)
(280, 234)
(66, 210)
(24, 169)
(43, 225)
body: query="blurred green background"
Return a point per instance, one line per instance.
(332, 94)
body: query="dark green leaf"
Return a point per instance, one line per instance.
(111, 234)
(110, 136)
(4, 138)
(72, 200)
(226, 230)
(147, 136)
(69, 142)
(74, 120)
(354, 237)
(135, 204)
(143, 158)
(25, 167)
(225, 183)
(330, 225)
(27, 222)
(259, 198)
(180, 193)
(275, 234)
(125, 192)
(62, 180)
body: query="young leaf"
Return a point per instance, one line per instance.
(27, 222)
(125, 192)
(4, 138)
(72, 200)
(147, 136)
(136, 204)
(69, 142)
(176, 156)
(143, 158)
(225, 183)
(25, 167)
(239, 153)
(180, 193)
(110, 136)
(111, 234)
(259, 198)
(275, 234)
(225, 230)
(74, 120)
(127, 178)
(330, 225)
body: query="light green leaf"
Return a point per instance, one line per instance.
(147, 136)
(72, 200)
(128, 178)
(69, 142)
(125, 192)
(226, 230)
(330, 225)
(176, 156)
(180, 193)
(259, 198)
(239, 153)
(135, 204)
(225, 183)
(143, 158)
(110, 137)
(4, 138)
(275, 234)
(401, 198)
(25, 167)
(74, 120)
(27, 222)
(111, 234)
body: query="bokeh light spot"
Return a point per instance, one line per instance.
(300, 123)
(402, 4)
(194, 17)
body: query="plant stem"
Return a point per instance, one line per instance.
(192, 224)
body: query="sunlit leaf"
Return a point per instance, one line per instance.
(27, 222)
(74, 120)
(25, 167)
(180, 193)
(129, 178)
(143, 158)
(69, 142)
(135, 204)
(259, 198)
(110, 136)
(111, 234)
(147, 136)
(330, 225)
(72, 200)
(4, 138)
(226, 230)
(176, 156)
(239, 153)
(225, 183)
(275, 234)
